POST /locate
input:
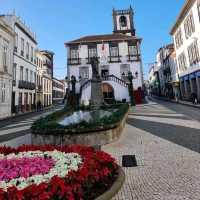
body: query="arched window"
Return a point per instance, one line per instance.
(123, 21)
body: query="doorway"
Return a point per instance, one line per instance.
(13, 110)
(108, 93)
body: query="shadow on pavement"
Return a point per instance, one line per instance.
(184, 136)
(169, 117)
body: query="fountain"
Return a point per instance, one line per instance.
(97, 124)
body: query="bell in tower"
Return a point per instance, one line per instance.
(123, 21)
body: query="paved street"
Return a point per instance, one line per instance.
(16, 132)
(165, 138)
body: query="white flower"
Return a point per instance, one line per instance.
(64, 162)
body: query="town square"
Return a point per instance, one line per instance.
(99, 100)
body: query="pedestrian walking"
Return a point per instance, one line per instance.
(177, 97)
(194, 98)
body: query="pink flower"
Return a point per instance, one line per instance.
(24, 167)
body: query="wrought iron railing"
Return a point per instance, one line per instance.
(26, 85)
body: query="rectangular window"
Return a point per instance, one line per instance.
(114, 51)
(124, 69)
(74, 53)
(27, 50)
(182, 62)
(92, 52)
(84, 72)
(193, 53)
(20, 99)
(34, 80)
(21, 73)
(133, 53)
(14, 71)
(31, 54)
(178, 39)
(16, 42)
(132, 50)
(198, 7)
(31, 76)
(189, 25)
(3, 93)
(34, 56)
(26, 75)
(74, 56)
(5, 56)
(22, 47)
(37, 61)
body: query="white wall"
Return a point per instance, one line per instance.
(114, 68)
(26, 63)
(120, 92)
(6, 76)
(190, 40)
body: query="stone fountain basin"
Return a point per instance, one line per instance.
(96, 137)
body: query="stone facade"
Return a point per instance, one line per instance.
(163, 74)
(44, 62)
(6, 63)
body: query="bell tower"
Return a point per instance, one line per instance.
(123, 21)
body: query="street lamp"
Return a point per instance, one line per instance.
(130, 86)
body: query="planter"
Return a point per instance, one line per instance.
(46, 172)
(115, 187)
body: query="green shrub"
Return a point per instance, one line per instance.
(50, 122)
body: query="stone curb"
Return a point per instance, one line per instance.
(15, 118)
(173, 101)
(115, 187)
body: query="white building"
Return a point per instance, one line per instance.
(186, 35)
(58, 91)
(6, 63)
(24, 67)
(167, 71)
(153, 79)
(44, 61)
(118, 54)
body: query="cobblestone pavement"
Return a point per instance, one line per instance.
(17, 132)
(167, 167)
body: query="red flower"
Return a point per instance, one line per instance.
(97, 169)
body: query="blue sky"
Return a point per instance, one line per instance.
(58, 21)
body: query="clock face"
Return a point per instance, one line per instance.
(123, 21)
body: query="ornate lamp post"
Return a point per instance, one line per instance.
(130, 87)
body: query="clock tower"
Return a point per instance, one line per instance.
(123, 21)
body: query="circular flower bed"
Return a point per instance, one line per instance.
(49, 172)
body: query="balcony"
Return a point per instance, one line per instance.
(26, 85)
(114, 59)
(133, 58)
(74, 61)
